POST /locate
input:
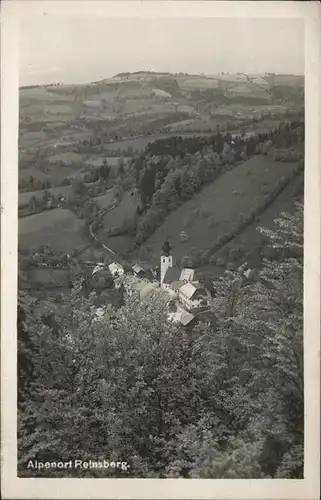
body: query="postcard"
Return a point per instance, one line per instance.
(160, 235)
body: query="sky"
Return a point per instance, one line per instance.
(89, 49)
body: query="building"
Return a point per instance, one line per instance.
(166, 260)
(169, 273)
(183, 317)
(193, 296)
(116, 269)
(187, 295)
(138, 271)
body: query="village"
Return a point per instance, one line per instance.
(189, 298)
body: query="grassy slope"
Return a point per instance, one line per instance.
(250, 238)
(58, 227)
(214, 210)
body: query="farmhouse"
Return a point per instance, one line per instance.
(116, 269)
(193, 297)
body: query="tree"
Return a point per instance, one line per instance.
(262, 328)
(216, 402)
(79, 189)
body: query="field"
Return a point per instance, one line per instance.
(24, 198)
(65, 191)
(250, 238)
(54, 173)
(126, 113)
(58, 227)
(213, 211)
(67, 157)
(126, 210)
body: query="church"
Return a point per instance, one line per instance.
(182, 283)
(189, 298)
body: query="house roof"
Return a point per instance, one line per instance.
(188, 290)
(187, 274)
(172, 274)
(138, 269)
(181, 316)
(186, 318)
(114, 266)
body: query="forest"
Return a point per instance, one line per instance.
(223, 401)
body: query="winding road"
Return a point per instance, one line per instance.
(104, 212)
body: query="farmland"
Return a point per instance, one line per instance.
(212, 211)
(72, 131)
(59, 228)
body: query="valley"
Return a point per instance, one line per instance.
(101, 159)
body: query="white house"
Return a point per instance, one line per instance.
(116, 269)
(192, 297)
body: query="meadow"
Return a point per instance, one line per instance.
(213, 211)
(59, 228)
(128, 112)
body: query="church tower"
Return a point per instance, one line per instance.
(166, 260)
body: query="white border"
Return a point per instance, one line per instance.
(12, 487)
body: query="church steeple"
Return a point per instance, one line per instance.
(166, 259)
(166, 248)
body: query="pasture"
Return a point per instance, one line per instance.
(125, 211)
(214, 210)
(67, 157)
(24, 198)
(54, 174)
(249, 238)
(59, 228)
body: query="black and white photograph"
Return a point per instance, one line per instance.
(161, 226)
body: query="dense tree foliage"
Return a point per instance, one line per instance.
(211, 402)
(173, 169)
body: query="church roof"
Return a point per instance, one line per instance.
(176, 285)
(172, 274)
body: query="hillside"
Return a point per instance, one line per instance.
(212, 212)
(96, 133)
(59, 228)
